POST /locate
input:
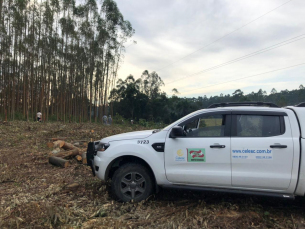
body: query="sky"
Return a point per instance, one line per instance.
(183, 40)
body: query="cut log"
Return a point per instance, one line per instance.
(58, 144)
(59, 162)
(70, 153)
(68, 146)
(78, 158)
(84, 156)
(63, 144)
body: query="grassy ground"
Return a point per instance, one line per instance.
(34, 194)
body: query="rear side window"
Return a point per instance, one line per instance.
(259, 125)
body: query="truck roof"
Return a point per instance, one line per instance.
(248, 108)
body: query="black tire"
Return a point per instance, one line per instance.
(132, 181)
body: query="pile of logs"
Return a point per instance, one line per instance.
(59, 158)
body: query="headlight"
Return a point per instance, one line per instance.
(102, 146)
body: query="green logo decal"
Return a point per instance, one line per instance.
(196, 155)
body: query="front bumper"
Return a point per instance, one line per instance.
(97, 164)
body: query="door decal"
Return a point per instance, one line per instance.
(254, 154)
(196, 155)
(180, 156)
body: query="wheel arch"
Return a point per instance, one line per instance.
(119, 161)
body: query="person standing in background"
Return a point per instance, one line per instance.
(38, 116)
(105, 119)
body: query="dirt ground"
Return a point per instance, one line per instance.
(34, 194)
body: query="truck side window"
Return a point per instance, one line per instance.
(206, 126)
(258, 125)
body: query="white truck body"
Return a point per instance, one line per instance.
(271, 162)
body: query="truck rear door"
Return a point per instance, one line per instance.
(261, 150)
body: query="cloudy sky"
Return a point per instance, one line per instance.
(168, 31)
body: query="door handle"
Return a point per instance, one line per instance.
(217, 146)
(278, 146)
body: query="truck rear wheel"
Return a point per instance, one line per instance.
(131, 182)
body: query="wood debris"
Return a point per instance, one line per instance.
(69, 151)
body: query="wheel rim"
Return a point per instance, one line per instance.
(133, 185)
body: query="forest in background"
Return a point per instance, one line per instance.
(142, 99)
(59, 57)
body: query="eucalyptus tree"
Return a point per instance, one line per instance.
(152, 83)
(59, 57)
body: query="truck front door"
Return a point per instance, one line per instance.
(202, 156)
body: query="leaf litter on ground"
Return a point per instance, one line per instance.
(33, 193)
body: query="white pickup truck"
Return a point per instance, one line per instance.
(249, 148)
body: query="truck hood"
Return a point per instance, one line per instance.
(128, 136)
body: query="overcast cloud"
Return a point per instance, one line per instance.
(167, 30)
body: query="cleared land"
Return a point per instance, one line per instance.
(35, 194)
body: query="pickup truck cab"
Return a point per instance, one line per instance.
(250, 148)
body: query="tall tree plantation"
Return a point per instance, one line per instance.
(59, 57)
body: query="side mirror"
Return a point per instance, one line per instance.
(177, 131)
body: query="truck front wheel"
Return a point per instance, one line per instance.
(131, 181)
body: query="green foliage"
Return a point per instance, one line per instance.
(118, 119)
(143, 122)
(144, 99)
